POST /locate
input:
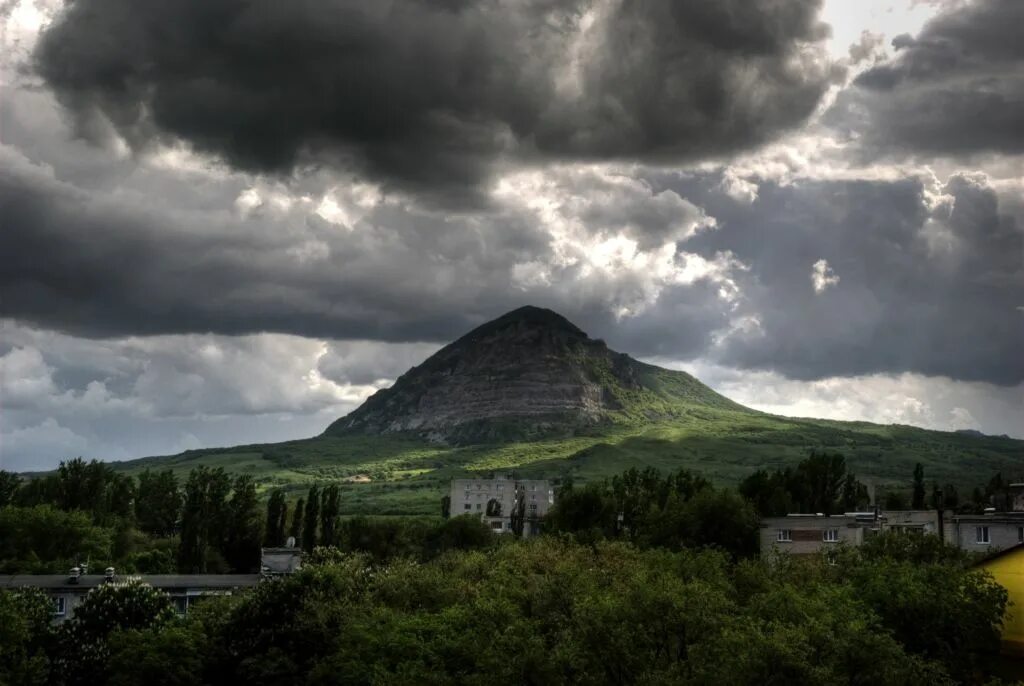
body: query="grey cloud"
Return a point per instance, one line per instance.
(927, 284)
(368, 362)
(956, 89)
(432, 95)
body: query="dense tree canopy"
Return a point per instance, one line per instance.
(552, 611)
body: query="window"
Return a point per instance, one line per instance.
(981, 535)
(478, 506)
(1020, 534)
(784, 535)
(468, 506)
(533, 506)
(533, 497)
(496, 526)
(60, 607)
(830, 535)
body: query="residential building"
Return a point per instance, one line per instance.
(1007, 568)
(808, 534)
(987, 532)
(911, 521)
(67, 591)
(494, 499)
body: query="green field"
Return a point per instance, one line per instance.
(406, 475)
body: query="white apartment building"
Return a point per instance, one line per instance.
(494, 500)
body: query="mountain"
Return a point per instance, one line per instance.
(527, 374)
(533, 393)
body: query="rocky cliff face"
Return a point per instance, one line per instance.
(528, 373)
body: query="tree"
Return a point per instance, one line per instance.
(244, 529)
(24, 635)
(718, 518)
(82, 651)
(917, 500)
(820, 483)
(446, 506)
(163, 656)
(329, 509)
(204, 517)
(43, 539)
(295, 531)
(158, 502)
(518, 515)
(854, 495)
(310, 519)
(277, 512)
(9, 483)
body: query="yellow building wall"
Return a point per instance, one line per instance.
(1008, 571)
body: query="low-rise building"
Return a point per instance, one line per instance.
(67, 591)
(911, 521)
(809, 534)
(495, 499)
(989, 532)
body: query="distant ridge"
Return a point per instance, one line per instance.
(528, 373)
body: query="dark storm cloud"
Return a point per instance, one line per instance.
(955, 89)
(431, 95)
(119, 265)
(929, 279)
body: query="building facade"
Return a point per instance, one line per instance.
(810, 534)
(495, 499)
(985, 533)
(1007, 568)
(68, 591)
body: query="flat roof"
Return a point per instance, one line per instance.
(161, 581)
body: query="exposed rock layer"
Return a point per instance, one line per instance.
(530, 372)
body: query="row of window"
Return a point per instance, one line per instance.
(827, 535)
(981, 535)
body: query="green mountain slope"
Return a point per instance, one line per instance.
(531, 392)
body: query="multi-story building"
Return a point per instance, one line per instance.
(808, 534)
(495, 499)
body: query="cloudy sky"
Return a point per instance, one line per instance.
(226, 221)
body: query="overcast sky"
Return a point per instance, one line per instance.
(228, 222)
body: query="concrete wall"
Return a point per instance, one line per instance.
(1003, 532)
(470, 496)
(807, 534)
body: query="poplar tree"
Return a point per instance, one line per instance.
(310, 519)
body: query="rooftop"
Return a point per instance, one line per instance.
(162, 581)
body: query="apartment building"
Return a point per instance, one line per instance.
(495, 499)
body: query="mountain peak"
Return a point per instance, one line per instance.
(530, 372)
(532, 317)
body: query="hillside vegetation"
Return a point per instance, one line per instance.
(531, 392)
(401, 474)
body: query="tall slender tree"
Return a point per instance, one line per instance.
(277, 510)
(9, 483)
(158, 502)
(295, 532)
(917, 501)
(311, 518)
(329, 508)
(203, 517)
(244, 531)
